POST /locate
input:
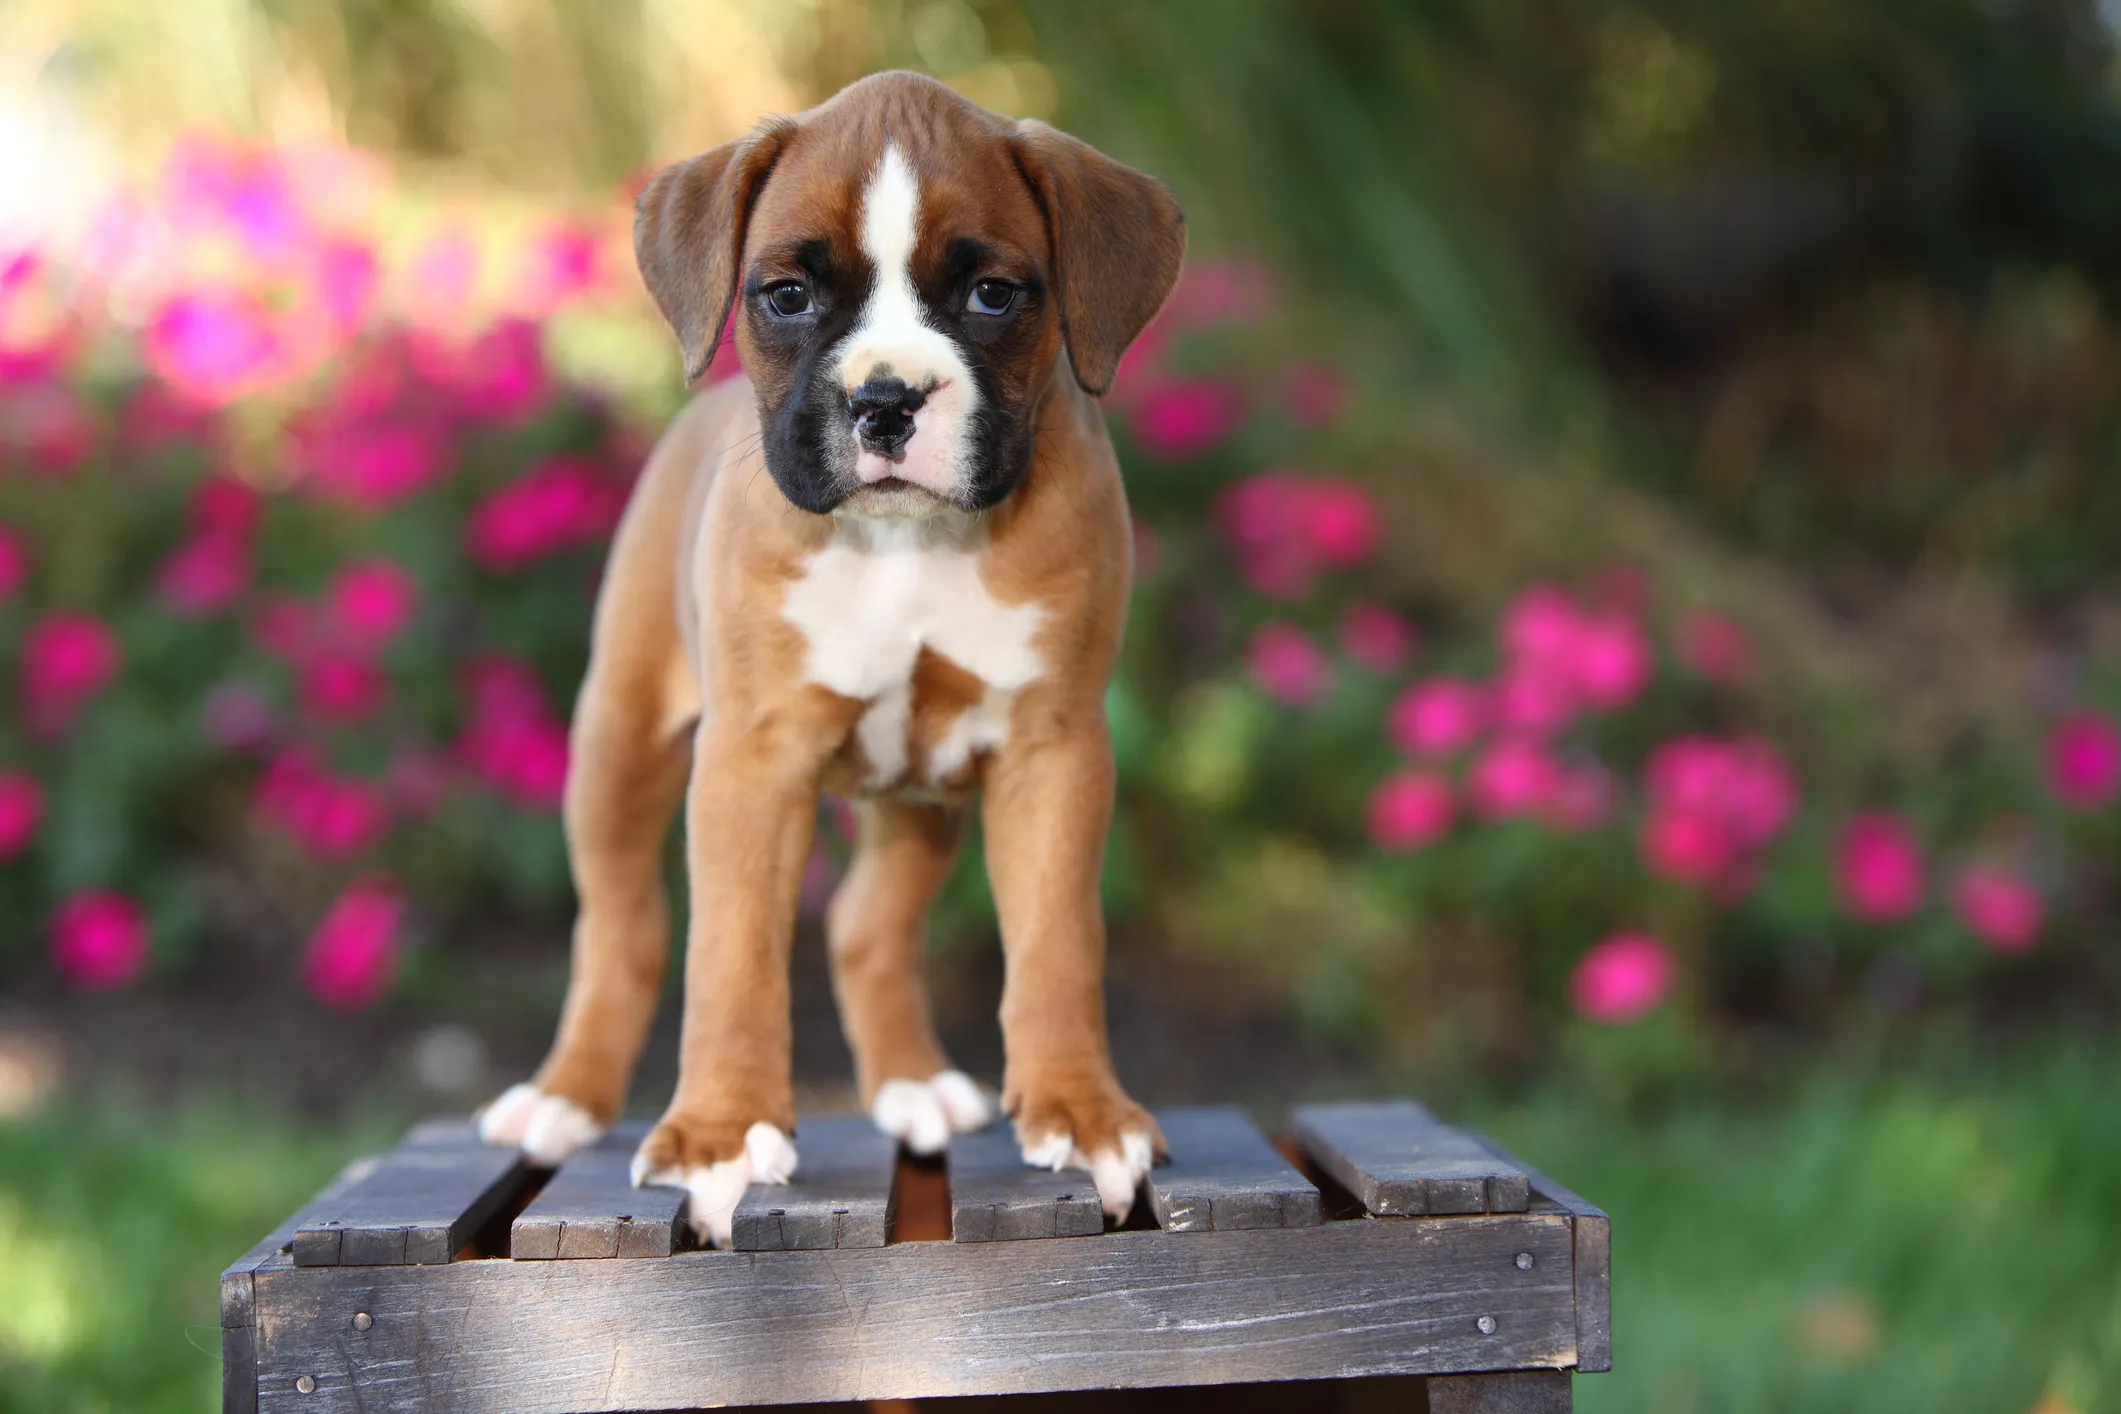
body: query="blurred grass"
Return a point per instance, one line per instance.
(1948, 1239)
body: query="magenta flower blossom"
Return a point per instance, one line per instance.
(1437, 717)
(1878, 868)
(353, 955)
(499, 377)
(98, 940)
(67, 658)
(371, 600)
(441, 274)
(1622, 979)
(1513, 777)
(1998, 907)
(1531, 700)
(560, 503)
(14, 564)
(47, 425)
(1340, 522)
(2084, 760)
(225, 508)
(1714, 804)
(214, 345)
(1286, 530)
(1539, 626)
(510, 740)
(1409, 810)
(338, 686)
(203, 575)
(1182, 418)
(1611, 660)
(1288, 666)
(1313, 393)
(1713, 647)
(1375, 638)
(374, 464)
(565, 263)
(330, 817)
(236, 717)
(21, 809)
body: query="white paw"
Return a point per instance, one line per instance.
(1116, 1172)
(923, 1114)
(768, 1157)
(549, 1129)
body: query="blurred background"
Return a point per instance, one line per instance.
(1628, 643)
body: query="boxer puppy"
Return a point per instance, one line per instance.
(891, 564)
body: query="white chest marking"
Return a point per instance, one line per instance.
(872, 599)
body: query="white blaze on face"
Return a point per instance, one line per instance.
(893, 337)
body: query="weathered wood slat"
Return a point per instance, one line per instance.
(418, 1205)
(1593, 1261)
(840, 1197)
(1402, 1161)
(994, 1197)
(590, 1208)
(1223, 1176)
(921, 1319)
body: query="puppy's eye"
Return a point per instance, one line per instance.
(788, 298)
(992, 297)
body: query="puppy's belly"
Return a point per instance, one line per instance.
(925, 736)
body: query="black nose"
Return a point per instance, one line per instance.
(882, 411)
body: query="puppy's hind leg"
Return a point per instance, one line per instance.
(876, 927)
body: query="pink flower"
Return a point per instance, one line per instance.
(2084, 760)
(1340, 522)
(523, 757)
(1582, 799)
(99, 940)
(48, 424)
(1179, 419)
(560, 503)
(1621, 979)
(331, 817)
(371, 600)
(353, 955)
(1714, 647)
(1997, 906)
(236, 716)
(501, 375)
(1288, 666)
(1878, 868)
(1213, 292)
(1690, 847)
(1375, 638)
(14, 565)
(214, 345)
(1313, 393)
(1532, 700)
(21, 807)
(224, 508)
(441, 274)
(339, 686)
(564, 264)
(67, 658)
(374, 464)
(1611, 660)
(1437, 717)
(1514, 776)
(498, 688)
(343, 278)
(1409, 810)
(1540, 626)
(203, 574)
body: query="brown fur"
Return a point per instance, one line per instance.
(705, 661)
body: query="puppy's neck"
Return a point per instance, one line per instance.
(947, 528)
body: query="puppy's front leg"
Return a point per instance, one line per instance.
(1048, 803)
(750, 811)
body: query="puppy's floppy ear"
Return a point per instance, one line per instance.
(1118, 239)
(688, 234)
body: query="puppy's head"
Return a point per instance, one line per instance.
(905, 271)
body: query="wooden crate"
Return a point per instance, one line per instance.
(1373, 1241)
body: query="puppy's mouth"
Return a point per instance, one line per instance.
(892, 498)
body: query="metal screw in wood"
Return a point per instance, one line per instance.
(307, 1384)
(1524, 1261)
(362, 1320)
(1486, 1324)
